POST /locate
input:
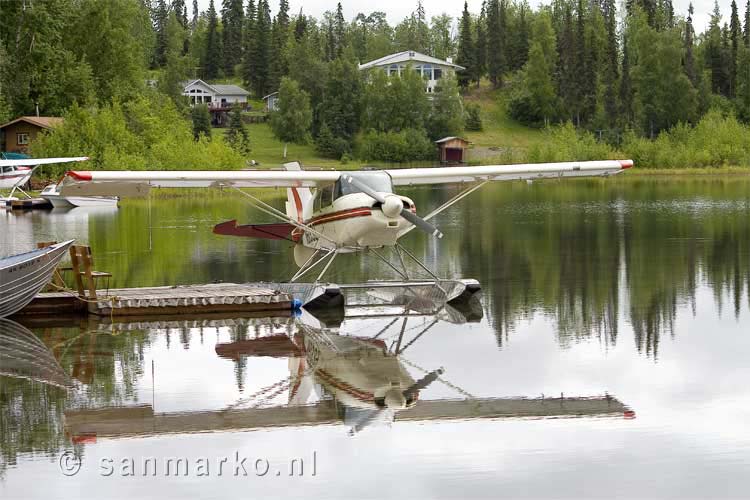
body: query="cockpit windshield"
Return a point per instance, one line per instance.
(379, 181)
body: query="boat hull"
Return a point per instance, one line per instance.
(23, 276)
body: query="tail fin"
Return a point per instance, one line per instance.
(298, 199)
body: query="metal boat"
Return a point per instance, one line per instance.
(23, 355)
(52, 194)
(22, 276)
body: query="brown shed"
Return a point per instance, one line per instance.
(19, 133)
(452, 149)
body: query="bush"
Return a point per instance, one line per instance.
(473, 118)
(329, 146)
(396, 147)
(565, 143)
(145, 133)
(717, 140)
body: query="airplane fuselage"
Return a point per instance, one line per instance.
(352, 222)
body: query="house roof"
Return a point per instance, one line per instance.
(451, 138)
(408, 56)
(45, 122)
(218, 88)
(269, 95)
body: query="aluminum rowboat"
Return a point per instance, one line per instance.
(23, 276)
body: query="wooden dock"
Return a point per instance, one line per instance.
(164, 300)
(29, 204)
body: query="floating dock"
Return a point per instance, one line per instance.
(28, 204)
(165, 300)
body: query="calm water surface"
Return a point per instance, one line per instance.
(633, 293)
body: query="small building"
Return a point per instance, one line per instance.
(17, 135)
(431, 68)
(271, 101)
(452, 149)
(215, 95)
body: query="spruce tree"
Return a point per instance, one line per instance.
(746, 32)
(194, 21)
(212, 55)
(341, 109)
(237, 135)
(480, 55)
(735, 36)
(466, 51)
(494, 44)
(248, 44)
(161, 18)
(339, 32)
(567, 68)
(626, 86)
(261, 50)
(689, 58)
(201, 118)
(232, 19)
(611, 61)
(279, 35)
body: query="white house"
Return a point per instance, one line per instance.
(431, 68)
(216, 96)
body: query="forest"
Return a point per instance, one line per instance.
(601, 82)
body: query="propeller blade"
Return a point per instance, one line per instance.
(421, 223)
(405, 213)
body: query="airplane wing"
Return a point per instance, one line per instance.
(31, 162)
(452, 175)
(138, 183)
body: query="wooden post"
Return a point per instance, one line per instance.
(76, 270)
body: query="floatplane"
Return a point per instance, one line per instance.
(331, 212)
(16, 173)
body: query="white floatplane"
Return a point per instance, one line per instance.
(52, 194)
(16, 173)
(332, 212)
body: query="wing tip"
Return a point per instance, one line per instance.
(79, 175)
(625, 164)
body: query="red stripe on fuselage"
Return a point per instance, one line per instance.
(340, 215)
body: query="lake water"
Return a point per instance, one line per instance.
(632, 293)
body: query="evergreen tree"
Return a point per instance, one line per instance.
(212, 56)
(626, 86)
(735, 36)
(611, 61)
(194, 21)
(232, 20)
(480, 56)
(261, 50)
(201, 118)
(714, 52)
(746, 32)
(495, 47)
(567, 64)
(237, 135)
(291, 121)
(161, 18)
(279, 36)
(743, 83)
(339, 32)
(689, 58)
(540, 68)
(520, 47)
(248, 44)
(466, 51)
(177, 67)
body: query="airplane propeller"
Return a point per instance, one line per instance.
(392, 206)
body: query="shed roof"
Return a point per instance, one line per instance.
(45, 122)
(451, 138)
(408, 56)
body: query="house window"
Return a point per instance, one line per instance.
(393, 70)
(22, 139)
(438, 74)
(427, 72)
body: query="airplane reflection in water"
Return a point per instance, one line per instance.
(335, 377)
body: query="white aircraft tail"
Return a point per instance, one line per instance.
(298, 199)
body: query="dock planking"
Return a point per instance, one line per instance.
(164, 300)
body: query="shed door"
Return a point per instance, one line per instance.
(454, 154)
